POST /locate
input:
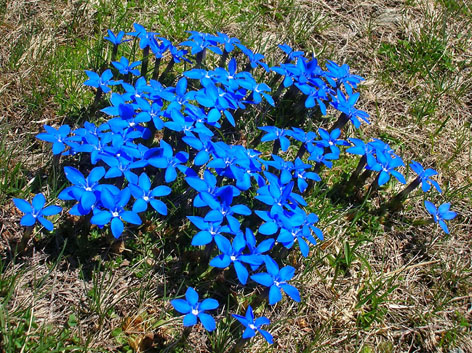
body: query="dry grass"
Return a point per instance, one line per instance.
(432, 272)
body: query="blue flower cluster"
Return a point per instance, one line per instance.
(156, 133)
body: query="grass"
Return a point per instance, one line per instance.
(376, 284)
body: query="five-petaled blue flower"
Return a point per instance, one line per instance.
(277, 279)
(194, 309)
(440, 214)
(253, 326)
(424, 175)
(36, 211)
(56, 137)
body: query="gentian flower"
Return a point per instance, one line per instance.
(143, 194)
(202, 144)
(314, 95)
(257, 250)
(298, 226)
(223, 210)
(276, 194)
(274, 133)
(302, 175)
(194, 309)
(124, 67)
(424, 175)
(285, 167)
(387, 166)
(331, 140)
(346, 106)
(145, 37)
(115, 212)
(116, 39)
(342, 76)
(272, 221)
(363, 149)
(232, 253)
(259, 91)
(56, 137)
(277, 280)
(440, 214)
(318, 155)
(101, 82)
(36, 211)
(292, 55)
(227, 41)
(255, 59)
(198, 42)
(166, 160)
(253, 326)
(83, 189)
(208, 230)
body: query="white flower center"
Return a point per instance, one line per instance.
(115, 214)
(251, 326)
(233, 258)
(146, 198)
(195, 312)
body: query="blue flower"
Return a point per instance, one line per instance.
(58, 137)
(198, 41)
(277, 280)
(255, 59)
(227, 41)
(292, 55)
(346, 106)
(124, 67)
(221, 210)
(166, 160)
(143, 194)
(101, 82)
(253, 326)
(277, 194)
(315, 95)
(116, 39)
(331, 140)
(299, 226)
(194, 309)
(274, 133)
(285, 167)
(115, 212)
(342, 76)
(36, 211)
(145, 37)
(83, 189)
(386, 166)
(259, 92)
(424, 175)
(259, 250)
(233, 254)
(318, 155)
(440, 214)
(208, 230)
(302, 175)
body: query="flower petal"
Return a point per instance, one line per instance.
(23, 205)
(207, 321)
(208, 304)
(192, 296)
(181, 306)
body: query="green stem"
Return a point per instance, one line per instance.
(155, 71)
(145, 61)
